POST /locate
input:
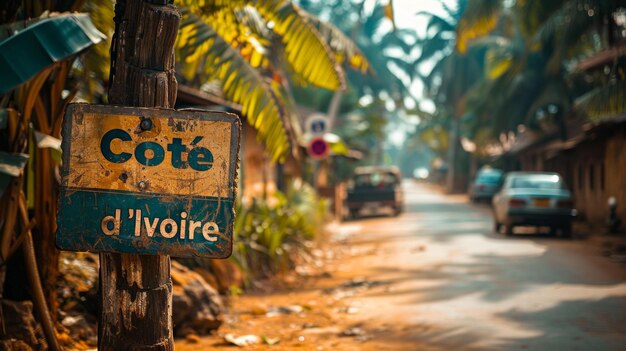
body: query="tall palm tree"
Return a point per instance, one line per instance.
(381, 45)
(536, 45)
(449, 81)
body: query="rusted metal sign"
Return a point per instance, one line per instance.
(146, 180)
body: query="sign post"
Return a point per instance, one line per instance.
(138, 153)
(136, 290)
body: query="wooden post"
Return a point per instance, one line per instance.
(136, 290)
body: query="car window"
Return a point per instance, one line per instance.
(375, 179)
(489, 178)
(537, 182)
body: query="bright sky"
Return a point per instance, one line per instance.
(405, 10)
(405, 17)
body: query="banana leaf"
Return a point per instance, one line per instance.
(11, 166)
(45, 141)
(41, 44)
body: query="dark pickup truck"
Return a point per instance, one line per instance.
(374, 188)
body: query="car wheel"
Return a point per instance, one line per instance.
(554, 231)
(507, 229)
(566, 230)
(354, 213)
(396, 211)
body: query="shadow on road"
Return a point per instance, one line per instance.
(473, 289)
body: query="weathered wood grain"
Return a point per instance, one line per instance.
(136, 290)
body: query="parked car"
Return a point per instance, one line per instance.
(486, 183)
(375, 188)
(533, 199)
(421, 174)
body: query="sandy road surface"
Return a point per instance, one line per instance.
(437, 278)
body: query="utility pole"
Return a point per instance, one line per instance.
(136, 290)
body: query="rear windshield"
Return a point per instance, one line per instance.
(375, 179)
(489, 178)
(537, 182)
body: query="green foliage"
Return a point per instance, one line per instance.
(271, 234)
(366, 26)
(93, 67)
(532, 51)
(248, 48)
(205, 53)
(478, 19)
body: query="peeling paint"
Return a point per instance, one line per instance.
(153, 169)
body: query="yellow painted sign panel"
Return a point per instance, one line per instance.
(147, 180)
(170, 171)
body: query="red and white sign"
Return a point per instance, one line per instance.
(318, 148)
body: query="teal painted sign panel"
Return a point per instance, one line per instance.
(148, 181)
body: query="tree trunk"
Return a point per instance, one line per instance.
(136, 290)
(453, 152)
(333, 109)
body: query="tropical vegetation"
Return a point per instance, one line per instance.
(524, 57)
(253, 52)
(371, 101)
(274, 236)
(249, 53)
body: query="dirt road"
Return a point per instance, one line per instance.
(437, 278)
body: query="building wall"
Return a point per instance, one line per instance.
(589, 180)
(258, 177)
(615, 169)
(597, 172)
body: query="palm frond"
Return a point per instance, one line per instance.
(438, 23)
(374, 20)
(604, 101)
(251, 17)
(406, 66)
(345, 49)
(533, 14)
(454, 13)
(566, 27)
(243, 30)
(305, 50)
(498, 61)
(562, 16)
(432, 46)
(429, 79)
(478, 19)
(240, 82)
(396, 39)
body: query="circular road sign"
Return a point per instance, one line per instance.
(318, 148)
(316, 124)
